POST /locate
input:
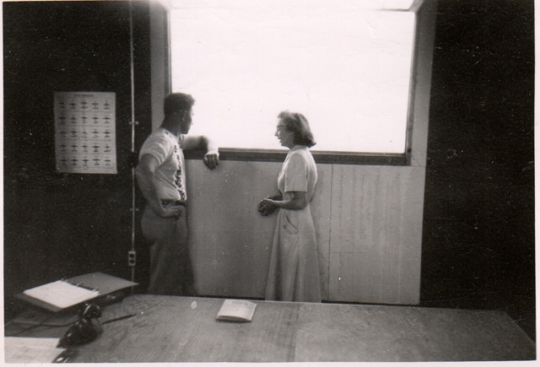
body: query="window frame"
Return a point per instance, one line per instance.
(327, 157)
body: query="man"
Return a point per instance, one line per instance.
(161, 178)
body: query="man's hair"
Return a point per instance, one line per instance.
(299, 125)
(177, 102)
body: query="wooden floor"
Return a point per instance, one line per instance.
(180, 329)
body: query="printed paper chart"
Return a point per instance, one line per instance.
(85, 132)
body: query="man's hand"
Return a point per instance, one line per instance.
(171, 210)
(211, 159)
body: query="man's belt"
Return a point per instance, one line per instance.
(175, 202)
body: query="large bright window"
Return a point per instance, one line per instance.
(345, 67)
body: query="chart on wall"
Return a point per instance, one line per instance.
(85, 132)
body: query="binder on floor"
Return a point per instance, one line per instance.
(63, 294)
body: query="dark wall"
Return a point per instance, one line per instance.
(478, 241)
(61, 225)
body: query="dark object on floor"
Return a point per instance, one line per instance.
(85, 330)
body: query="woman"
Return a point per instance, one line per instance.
(294, 264)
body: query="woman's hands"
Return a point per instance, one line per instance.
(267, 206)
(297, 201)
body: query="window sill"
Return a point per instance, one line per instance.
(270, 155)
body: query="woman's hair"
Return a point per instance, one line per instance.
(176, 102)
(298, 124)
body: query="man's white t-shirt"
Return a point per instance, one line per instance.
(170, 175)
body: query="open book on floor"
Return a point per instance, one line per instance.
(236, 310)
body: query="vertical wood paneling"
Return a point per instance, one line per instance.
(368, 221)
(375, 235)
(230, 241)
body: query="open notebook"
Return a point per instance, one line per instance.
(62, 294)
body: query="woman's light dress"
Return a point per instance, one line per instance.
(294, 265)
